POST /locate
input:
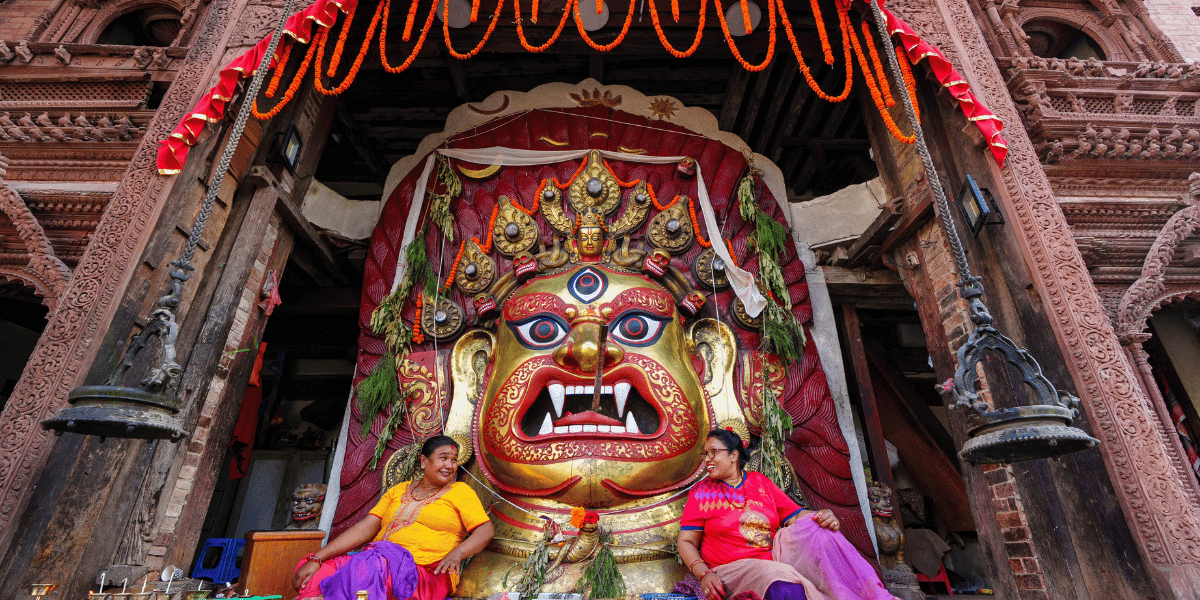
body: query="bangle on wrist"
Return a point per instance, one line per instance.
(312, 557)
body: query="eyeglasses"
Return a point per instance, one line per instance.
(712, 453)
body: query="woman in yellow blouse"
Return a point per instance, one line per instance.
(418, 534)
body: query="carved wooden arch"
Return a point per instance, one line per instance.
(107, 14)
(1150, 290)
(45, 271)
(25, 279)
(1090, 24)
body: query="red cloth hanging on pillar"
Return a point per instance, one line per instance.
(242, 442)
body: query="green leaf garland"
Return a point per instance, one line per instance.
(378, 391)
(602, 578)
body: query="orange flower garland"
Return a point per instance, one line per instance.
(357, 60)
(880, 76)
(521, 29)
(909, 81)
(292, 87)
(454, 268)
(624, 184)
(416, 48)
(875, 95)
(281, 62)
(417, 336)
(336, 59)
(620, 37)
(733, 46)
(821, 33)
(487, 247)
(654, 199)
(486, 35)
(662, 36)
(729, 246)
(844, 21)
(409, 21)
(696, 224)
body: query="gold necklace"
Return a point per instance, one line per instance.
(413, 493)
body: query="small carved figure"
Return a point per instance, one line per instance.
(1188, 145)
(1120, 143)
(1153, 148)
(1085, 140)
(889, 536)
(1143, 69)
(65, 120)
(104, 121)
(1123, 103)
(1170, 143)
(1102, 140)
(1034, 101)
(62, 55)
(23, 51)
(6, 53)
(1056, 150)
(1161, 68)
(1168, 107)
(307, 501)
(1094, 68)
(1078, 104)
(43, 120)
(1135, 147)
(11, 128)
(141, 57)
(160, 58)
(189, 15)
(1194, 68)
(1174, 72)
(126, 129)
(36, 133)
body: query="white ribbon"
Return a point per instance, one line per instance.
(740, 280)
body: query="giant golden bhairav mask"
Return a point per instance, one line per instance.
(541, 428)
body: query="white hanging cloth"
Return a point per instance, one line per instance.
(740, 280)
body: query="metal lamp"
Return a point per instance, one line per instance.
(148, 411)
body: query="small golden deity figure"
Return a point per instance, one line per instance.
(589, 244)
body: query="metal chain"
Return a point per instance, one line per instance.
(235, 136)
(939, 195)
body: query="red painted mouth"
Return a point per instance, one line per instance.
(558, 404)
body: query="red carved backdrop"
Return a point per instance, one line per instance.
(816, 447)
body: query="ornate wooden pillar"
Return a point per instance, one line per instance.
(1157, 505)
(72, 335)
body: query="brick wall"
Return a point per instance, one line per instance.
(1177, 20)
(244, 330)
(17, 16)
(1007, 504)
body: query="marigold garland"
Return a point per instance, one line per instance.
(336, 59)
(654, 199)
(408, 20)
(844, 22)
(487, 247)
(729, 247)
(909, 81)
(662, 36)
(624, 184)
(358, 60)
(696, 224)
(417, 336)
(821, 32)
(620, 37)
(416, 47)
(486, 35)
(733, 46)
(875, 94)
(880, 76)
(292, 87)
(521, 29)
(454, 268)
(281, 62)
(745, 15)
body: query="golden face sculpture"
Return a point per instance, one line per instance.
(540, 428)
(591, 242)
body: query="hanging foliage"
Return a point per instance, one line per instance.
(602, 578)
(389, 430)
(378, 391)
(439, 203)
(533, 568)
(409, 462)
(775, 425)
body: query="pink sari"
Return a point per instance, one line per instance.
(824, 561)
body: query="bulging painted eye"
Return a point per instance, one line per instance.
(539, 332)
(637, 329)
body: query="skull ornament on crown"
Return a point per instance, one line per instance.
(584, 339)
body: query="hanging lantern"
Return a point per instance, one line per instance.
(1041, 430)
(150, 410)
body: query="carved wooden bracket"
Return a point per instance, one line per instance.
(1150, 290)
(45, 271)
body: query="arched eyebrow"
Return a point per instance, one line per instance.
(527, 305)
(658, 302)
